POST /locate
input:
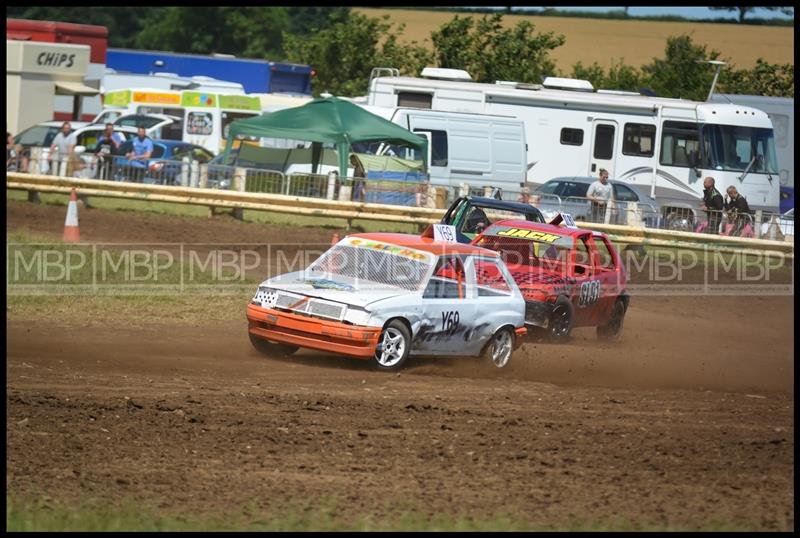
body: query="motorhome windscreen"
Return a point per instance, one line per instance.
(378, 266)
(733, 148)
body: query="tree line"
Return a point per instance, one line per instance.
(344, 46)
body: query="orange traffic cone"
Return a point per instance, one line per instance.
(334, 238)
(71, 233)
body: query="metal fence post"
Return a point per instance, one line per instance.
(194, 174)
(62, 165)
(203, 176)
(757, 223)
(331, 185)
(185, 172)
(239, 180)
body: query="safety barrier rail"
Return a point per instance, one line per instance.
(331, 208)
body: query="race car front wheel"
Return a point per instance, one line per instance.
(612, 330)
(560, 320)
(271, 349)
(393, 346)
(500, 347)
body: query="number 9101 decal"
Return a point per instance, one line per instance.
(590, 293)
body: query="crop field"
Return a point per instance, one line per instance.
(609, 41)
(151, 411)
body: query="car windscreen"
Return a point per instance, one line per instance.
(378, 263)
(138, 121)
(38, 135)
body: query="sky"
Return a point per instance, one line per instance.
(684, 11)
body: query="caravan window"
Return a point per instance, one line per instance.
(438, 146)
(415, 100)
(571, 137)
(679, 140)
(638, 139)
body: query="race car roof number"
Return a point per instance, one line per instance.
(568, 221)
(444, 232)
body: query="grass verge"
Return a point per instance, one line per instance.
(50, 516)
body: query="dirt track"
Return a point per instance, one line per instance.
(688, 422)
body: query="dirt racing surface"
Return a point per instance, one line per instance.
(687, 422)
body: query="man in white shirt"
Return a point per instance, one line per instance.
(62, 149)
(600, 193)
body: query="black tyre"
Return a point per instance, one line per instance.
(394, 346)
(500, 347)
(561, 319)
(612, 330)
(271, 349)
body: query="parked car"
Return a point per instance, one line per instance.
(162, 126)
(470, 215)
(568, 195)
(86, 136)
(569, 277)
(384, 297)
(165, 163)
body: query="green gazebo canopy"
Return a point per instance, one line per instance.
(327, 120)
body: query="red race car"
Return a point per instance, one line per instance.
(569, 277)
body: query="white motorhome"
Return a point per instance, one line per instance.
(669, 145)
(481, 150)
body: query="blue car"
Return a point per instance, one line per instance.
(164, 165)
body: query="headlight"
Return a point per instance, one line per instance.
(266, 297)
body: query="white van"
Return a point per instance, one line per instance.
(480, 150)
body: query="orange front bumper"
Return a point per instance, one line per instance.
(303, 331)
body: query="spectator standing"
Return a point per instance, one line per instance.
(142, 148)
(359, 185)
(713, 205)
(64, 148)
(738, 210)
(600, 193)
(107, 146)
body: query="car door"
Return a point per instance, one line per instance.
(492, 298)
(607, 274)
(604, 136)
(448, 310)
(588, 286)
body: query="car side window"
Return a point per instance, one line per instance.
(548, 188)
(448, 279)
(624, 194)
(490, 279)
(88, 139)
(576, 190)
(475, 222)
(582, 256)
(605, 258)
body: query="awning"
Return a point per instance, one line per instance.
(64, 87)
